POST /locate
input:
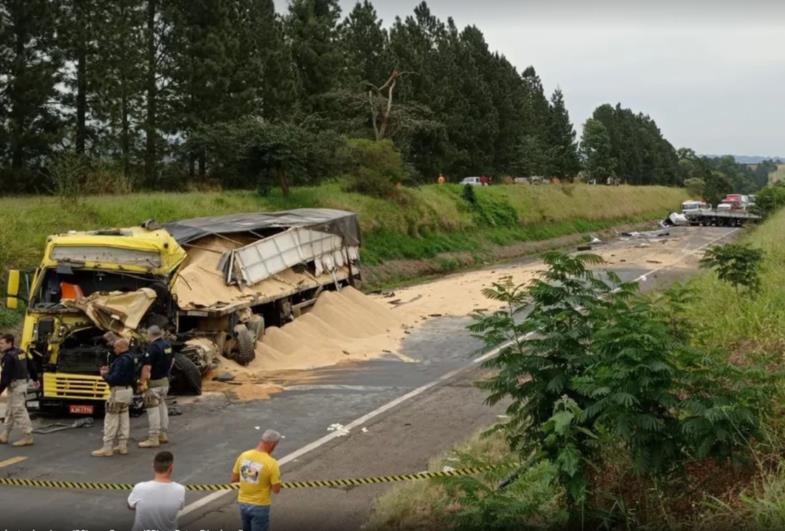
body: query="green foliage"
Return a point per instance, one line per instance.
(31, 62)
(634, 149)
(563, 161)
(597, 150)
(695, 187)
(375, 168)
(8, 318)
(526, 500)
(770, 199)
(594, 364)
(468, 195)
(147, 82)
(736, 264)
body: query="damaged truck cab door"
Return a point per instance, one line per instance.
(16, 281)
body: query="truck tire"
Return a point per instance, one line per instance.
(246, 345)
(256, 325)
(186, 377)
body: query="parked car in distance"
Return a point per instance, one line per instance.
(476, 181)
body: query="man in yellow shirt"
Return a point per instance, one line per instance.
(259, 476)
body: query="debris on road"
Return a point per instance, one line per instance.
(84, 422)
(338, 429)
(224, 377)
(646, 234)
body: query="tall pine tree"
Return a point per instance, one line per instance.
(312, 30)
(32, 62)
(563, 161)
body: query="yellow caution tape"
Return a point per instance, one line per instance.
(204, 487)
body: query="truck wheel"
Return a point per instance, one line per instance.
(246, 345)
(256, 325)
(186, 377)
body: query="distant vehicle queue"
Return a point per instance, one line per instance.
(730, 203)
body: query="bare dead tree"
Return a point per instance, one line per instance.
(380, 100)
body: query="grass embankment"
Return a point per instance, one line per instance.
(426, 222)
(746, 495)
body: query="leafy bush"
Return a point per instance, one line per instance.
(770, 199)
(501, 501)
(375, 168)
(695, 187)
(468, 195)
(9, 318)
(596, 364)
(735, 263)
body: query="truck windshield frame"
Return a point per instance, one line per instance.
(45, 294)
(105, 254)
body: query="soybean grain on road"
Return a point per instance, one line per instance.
(399, 415)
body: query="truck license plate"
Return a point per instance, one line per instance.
(80, 409)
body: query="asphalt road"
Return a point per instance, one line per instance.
(400, 435)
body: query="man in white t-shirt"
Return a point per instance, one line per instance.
(157, 502)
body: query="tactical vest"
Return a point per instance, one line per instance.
(20, 367)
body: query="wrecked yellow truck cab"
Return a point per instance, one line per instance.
(211, 283)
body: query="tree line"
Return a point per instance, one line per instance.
(162, 94)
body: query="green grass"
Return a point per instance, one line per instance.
(734, 323)
(432, 219)
(425, 505)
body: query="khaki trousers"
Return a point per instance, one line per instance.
(117, 423)
(16, 411)
(157, 412)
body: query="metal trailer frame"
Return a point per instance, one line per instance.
(711, 217)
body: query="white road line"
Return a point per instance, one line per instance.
(354, 424)
(217, 495)
(12, 461)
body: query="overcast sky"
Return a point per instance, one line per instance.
(710, 73)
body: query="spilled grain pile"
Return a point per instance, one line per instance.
(341, 326)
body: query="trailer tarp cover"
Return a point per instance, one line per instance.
(338, 222)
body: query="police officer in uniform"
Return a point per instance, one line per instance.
(16, 371)
(157, 364)
(117, 423)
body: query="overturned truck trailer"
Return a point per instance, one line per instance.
(212, 283)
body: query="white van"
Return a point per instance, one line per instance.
(474, 181)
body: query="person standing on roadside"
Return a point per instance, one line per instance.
(16, 371)
(157, 364)
(117, 423)
(157, 502)
(259, 476)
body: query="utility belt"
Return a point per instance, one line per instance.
(112, 405)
